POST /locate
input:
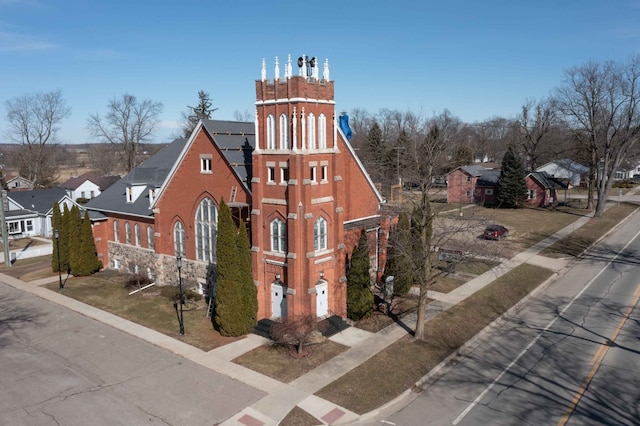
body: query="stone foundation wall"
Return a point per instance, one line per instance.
(163, 268)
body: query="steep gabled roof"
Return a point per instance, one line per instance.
(488, 177)
(95, 177)
(236, 140)
(150, 174)
(567, 164)
(38, 200)
(547, 181)
(473, 169)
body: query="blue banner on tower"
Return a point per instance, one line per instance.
(344, 126)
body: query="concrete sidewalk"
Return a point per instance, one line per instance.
(282, 397)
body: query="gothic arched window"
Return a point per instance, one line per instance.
(206, 230)
(271, 132)
(284, 132)
(322, 131)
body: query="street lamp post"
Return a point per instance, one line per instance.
(180, 317)
(56, 234)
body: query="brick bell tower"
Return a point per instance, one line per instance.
(297, 225)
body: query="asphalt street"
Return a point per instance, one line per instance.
(58, 367)
(570, 356)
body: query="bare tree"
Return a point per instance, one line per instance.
(245, 116)
(33, 123)
(536, 122)
(103, 157)
(599, 102)
(126, 124)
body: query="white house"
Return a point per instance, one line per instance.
(566, 170)
(29, 212)
(88, 185)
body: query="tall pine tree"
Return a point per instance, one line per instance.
(230, 303)
(512, 187)
(399, 256)
(65, 253)
(359, 295)
(75, 239)
(56, 224)
(250, 292)
(87, 257)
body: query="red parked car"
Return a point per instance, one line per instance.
(495, 232)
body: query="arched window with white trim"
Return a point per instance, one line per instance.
(150, 237)
(322, 131)
(116, 231)
(137, 234)
(271, 132)
(320, 234)
(284, 132)
(179, 240)
(311, 131)
(278, 236)
(206, 230)
(127, 233)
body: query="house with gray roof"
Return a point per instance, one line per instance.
(29, 213)
(573, 173)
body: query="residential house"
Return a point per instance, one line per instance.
(29, 213)
(569, 171)
(18, 183)
(291, 176)
(88, 185)
(542, 189)
(473, 184)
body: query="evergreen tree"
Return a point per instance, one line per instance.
(377, 156)
(65, 264)
(199, 112)
(250, 292)
(359, 295)
(87, 256)
(399, 256)
(56, 224)
(230, 301)
(512, 187)
(75, 239)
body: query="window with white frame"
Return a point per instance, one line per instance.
(29, 225)
(284, 174)
(271, 132)
(116, 264)
(278, 236)
(116, 231)
(324, 169)
(14, 227)
(179, 240)
(284, 132)
(313, 173)
(532, 194)
(467, 193)
(205, 163)
(206, 230)
(271, 174)
(136, 229)
(127, 233)
(320, 235)
(311, 131)
(322, 131)
(129, 194)
(468, 178)
(150, 236)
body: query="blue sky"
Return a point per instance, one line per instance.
(479, 59)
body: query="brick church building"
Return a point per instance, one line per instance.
(292, 176)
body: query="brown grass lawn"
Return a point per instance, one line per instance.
(30, 269)
(399, 366)
(152, 308)
(299, 417)
(275, 361)
(589, 233)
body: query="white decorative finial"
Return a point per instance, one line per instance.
(314, 71)
(303, 68)
(325, 70)
(264, 69)
(277, 77)
(288, 71)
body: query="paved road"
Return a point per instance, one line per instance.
(60, 368)
(570, 356)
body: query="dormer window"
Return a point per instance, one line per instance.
(152, 196)
(129, 193)
(132, 192)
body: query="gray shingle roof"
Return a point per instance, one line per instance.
(236, 140)
(150, 174)
(547, 181)
(39, 200)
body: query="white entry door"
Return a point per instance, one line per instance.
(322, 299)
(278, 301)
